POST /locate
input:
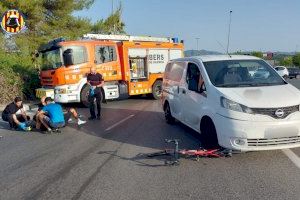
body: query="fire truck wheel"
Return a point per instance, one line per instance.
(84, 95)
(157, 89)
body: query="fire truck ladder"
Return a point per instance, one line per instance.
(127, 38)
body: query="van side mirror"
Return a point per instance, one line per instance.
(68, 57)
(202, 88)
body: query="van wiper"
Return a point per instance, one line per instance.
(234, 85)
(226, 85)
(265, 84)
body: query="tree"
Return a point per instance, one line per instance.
(44, 20)
(296, 59)
(257, 54)
(112, 25)
(286, 61)
(48, 19)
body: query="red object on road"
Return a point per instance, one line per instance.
(175, 153)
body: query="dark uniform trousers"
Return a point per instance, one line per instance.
(98, 96)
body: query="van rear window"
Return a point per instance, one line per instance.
(174, 71)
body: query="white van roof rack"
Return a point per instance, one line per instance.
(127, 38)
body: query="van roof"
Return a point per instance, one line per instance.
(206, 58)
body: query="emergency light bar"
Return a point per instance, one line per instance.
(127, 38)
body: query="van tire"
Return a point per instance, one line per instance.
(157, 89)
(208, 133)
(168, 115)
(84, 95)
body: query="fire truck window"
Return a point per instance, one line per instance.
(138, 68)
(79, 54)
(104, 54)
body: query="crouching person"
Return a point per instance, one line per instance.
(68, 114)
(51, 116)
(15, 115)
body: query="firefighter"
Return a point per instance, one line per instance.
(96, 82)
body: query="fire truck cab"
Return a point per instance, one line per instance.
(130, 65)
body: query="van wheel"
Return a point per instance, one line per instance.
(208, 133)
(157, 89)
(168, 115)
(84, 95)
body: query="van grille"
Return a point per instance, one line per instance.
(271, 111)
(273, 142)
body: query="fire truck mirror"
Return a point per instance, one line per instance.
(68, 57)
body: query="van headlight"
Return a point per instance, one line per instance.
(231, 105)
(239, 141)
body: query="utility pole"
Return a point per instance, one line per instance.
(112, 7)
(229, 25)
(197, 43)
(112, 12)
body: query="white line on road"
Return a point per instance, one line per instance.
(118, 123)
(292, 156)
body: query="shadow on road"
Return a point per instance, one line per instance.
(146, 129)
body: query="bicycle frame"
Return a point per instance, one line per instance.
(175, 153)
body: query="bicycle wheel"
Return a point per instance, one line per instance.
(160, 153)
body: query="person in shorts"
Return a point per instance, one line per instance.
(51, 115)
(69, 113)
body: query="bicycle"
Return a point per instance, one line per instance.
(197, 154)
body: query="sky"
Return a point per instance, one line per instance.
(262, 25)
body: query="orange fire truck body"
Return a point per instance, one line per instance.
(130, 65)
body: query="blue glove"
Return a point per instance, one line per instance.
(92, 91)
(22, 126)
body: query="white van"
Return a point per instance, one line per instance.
(218, 97)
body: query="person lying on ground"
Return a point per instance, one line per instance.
(51, 116)
(14, 113)
(68, 113)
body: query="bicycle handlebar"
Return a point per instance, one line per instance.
(172, 141)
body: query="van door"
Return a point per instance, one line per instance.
(172, 84)
(193, 99)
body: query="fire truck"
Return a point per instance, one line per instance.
(130, 65)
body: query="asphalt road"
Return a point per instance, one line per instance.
(105, 160)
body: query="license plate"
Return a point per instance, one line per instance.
(44, 92)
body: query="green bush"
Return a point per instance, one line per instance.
(18, 76)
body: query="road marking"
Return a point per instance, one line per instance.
(292, 156)
(120, 122)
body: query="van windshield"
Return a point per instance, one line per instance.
(242, 73)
